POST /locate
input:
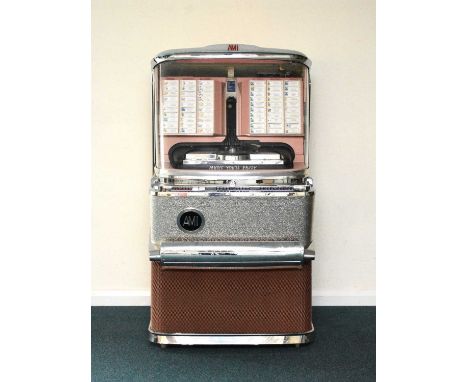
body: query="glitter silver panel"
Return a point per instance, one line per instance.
(287, 218)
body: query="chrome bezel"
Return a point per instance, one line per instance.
(297, 339)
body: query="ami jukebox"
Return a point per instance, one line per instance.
(231, 197)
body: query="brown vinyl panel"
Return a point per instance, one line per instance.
(231, 301)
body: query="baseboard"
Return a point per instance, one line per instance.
(319, 298)
(330, 298)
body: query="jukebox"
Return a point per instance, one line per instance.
(231, 197)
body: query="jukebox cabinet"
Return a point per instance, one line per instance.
(231, 197)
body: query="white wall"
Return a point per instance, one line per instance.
(338, 36)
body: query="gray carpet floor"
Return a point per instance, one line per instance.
(343, 350)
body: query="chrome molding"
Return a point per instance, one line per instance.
(222, 51)
(231, 339)
(228, 55)
(231, 175)
(231, 254)
(164, 187)
(228, 192)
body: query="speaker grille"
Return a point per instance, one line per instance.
(230, 301)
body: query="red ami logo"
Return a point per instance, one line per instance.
(233, 47)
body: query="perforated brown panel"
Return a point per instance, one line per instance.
(230, 301)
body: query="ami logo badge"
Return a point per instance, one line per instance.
(233, 47)
(190, 220)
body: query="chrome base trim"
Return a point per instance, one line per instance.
(164, 339)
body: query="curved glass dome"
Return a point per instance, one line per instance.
(221, 112)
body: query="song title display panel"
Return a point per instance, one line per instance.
(187, 107)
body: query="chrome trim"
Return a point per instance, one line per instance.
(297, 58)
(308, 181)
(215, 190)
(228, 175)
(307, 121)
(232, 188)
(232, 339)
(155, 118)
(226, 48)
(309, 254)
(231, 254)
(261, 194)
